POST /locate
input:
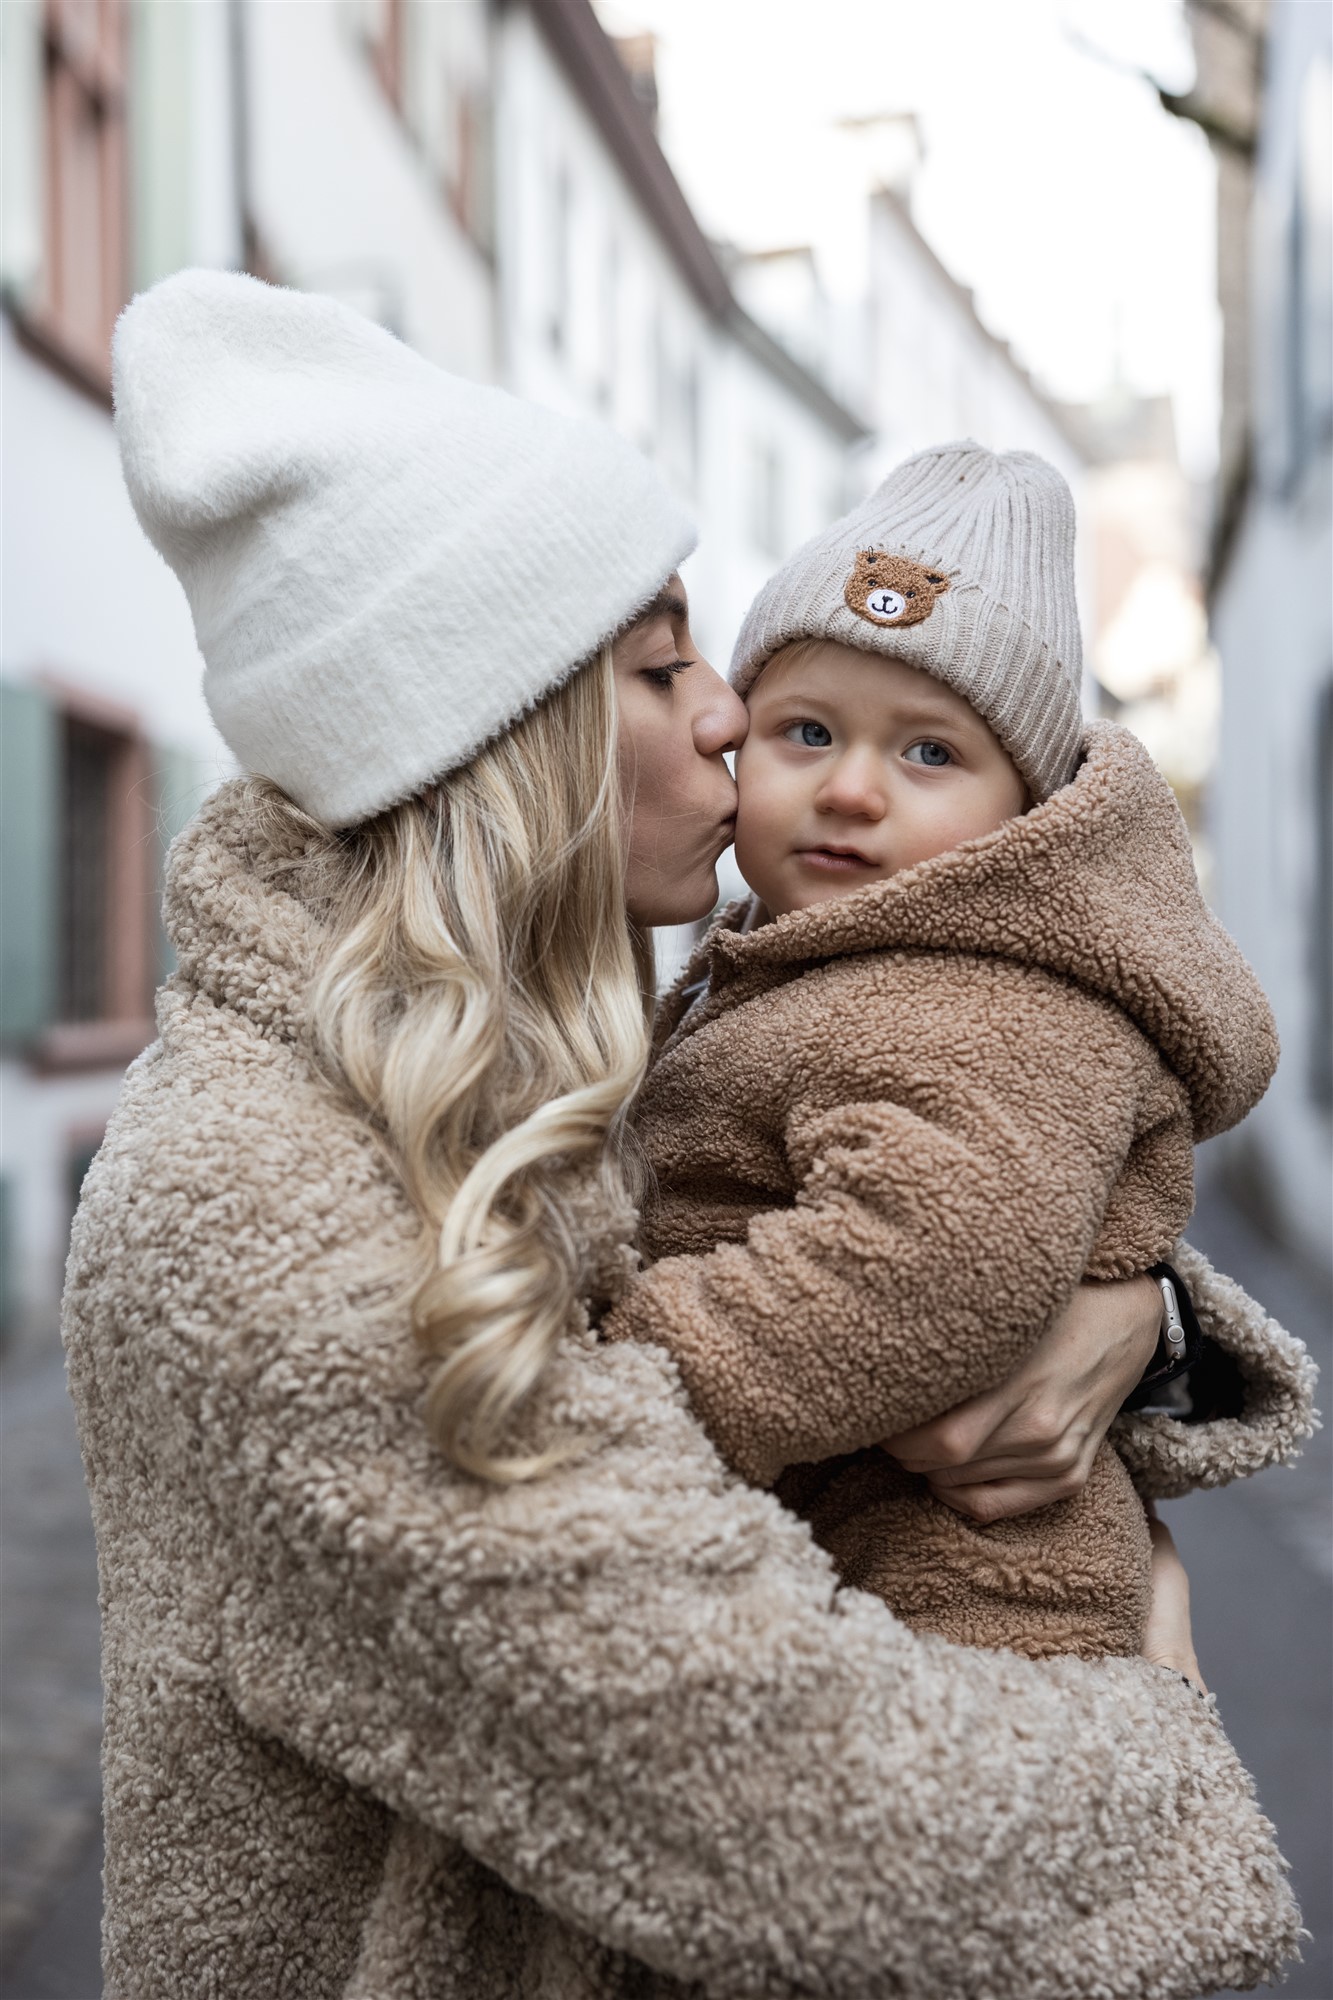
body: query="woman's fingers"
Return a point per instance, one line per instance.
(1033, 1438)
(958, 1439)
(1065, 1456)
(1000, 1499)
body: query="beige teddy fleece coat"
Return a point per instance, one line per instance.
(379, 1731)
(887, 1141)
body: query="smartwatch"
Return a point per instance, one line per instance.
(1179, 1343)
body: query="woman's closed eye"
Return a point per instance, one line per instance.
(664, 675)
(928, 752)
(811, 735)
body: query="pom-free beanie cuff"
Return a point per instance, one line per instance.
(387, 565)
(962, 564)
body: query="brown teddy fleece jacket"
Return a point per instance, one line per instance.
(378, 1731)
(891, 1136)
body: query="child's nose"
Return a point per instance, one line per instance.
(854, 788)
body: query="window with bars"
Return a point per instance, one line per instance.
(85, 269)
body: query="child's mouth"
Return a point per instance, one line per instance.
(834, 860)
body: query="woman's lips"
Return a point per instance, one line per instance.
(834, 860)
(724, 836)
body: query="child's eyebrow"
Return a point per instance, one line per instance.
(930, 711)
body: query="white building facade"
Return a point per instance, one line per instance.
(117, 167)
(613, 303)
(935, 369)
(1273, 626)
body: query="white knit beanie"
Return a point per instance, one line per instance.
(386, 564)
(962, 564)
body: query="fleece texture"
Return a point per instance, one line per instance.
(889, 1138)
(386, 564)
(379, 1731)
(962, 564)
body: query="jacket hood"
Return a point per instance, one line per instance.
(1096, 885)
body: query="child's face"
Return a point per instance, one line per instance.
(855, 767)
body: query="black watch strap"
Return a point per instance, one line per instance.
(1180, 1342)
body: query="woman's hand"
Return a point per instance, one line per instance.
(1032, 1440)
(1168, 1640)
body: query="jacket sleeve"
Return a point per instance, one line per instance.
(1266, 1381)
(631, 1688)
(941, 1217)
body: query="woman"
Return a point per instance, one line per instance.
(442, 1655)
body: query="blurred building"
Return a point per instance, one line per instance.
(912, 350)
(612, 301)
(105, 744)
(1272, 605)
(483, 179)
(1151, 656)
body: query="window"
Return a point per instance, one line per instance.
(386, 48)
(1309, 360)
(1321, 938)
(88, 759)
(690, 418)
(104, 970)
(85, 265)
(87, 808)
(610, 316)
(766, 500)
(562, 203)
(468, 180)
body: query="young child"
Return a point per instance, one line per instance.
(950, 1060)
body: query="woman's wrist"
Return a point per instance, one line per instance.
(1178, 1339)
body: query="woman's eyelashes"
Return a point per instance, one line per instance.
(664, 675)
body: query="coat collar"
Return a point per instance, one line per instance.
(239, 912)
(1096, 885)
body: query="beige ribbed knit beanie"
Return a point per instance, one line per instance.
(962, 564)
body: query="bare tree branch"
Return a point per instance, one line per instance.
(1222, 130)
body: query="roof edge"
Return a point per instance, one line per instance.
(584, 51)
(902, 213)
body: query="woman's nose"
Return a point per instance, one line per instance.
(721, 719)
(854, 788)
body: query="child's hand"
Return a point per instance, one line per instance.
(1032, 1440)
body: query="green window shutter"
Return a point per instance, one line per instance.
(181, 786)
(29, 860)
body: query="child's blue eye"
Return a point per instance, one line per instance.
(928, 752)
(812, 734)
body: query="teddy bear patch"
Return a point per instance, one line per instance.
(891, 590)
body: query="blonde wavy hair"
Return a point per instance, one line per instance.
(484, 1001)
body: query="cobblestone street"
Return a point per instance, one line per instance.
(1259, 1557)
